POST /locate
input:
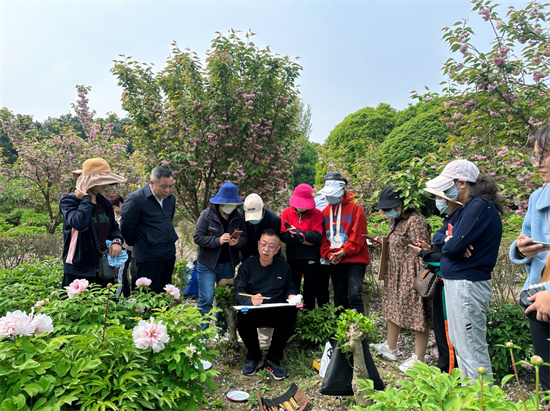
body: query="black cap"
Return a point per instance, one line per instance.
(335, 176)
(389, 198)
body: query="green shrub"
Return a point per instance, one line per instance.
(90, 361)
(511, 224)
(416, 138)
(18, 247)
(316, 326)
(507, 322)
(23, 286)
(428, 389)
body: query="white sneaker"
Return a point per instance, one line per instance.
(385, 351)
(413, 359)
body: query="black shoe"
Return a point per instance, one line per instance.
(251, 367)
(276, 372)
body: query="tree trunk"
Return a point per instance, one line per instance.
(231, 321)
(359, 366)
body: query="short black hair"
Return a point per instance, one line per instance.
(115, 199)
(271, 233)
(161, 171)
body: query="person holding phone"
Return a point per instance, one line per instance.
(219, 235)
(535, 256)
(301, 230)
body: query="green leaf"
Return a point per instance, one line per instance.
(62, 367)
(33, 389)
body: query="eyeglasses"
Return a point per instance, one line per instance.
(539, 160)
(165, 187)
(270, 247)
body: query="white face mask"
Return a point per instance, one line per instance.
(228, 208)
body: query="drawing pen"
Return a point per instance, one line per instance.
(251, 295)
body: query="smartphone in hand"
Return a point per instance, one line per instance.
(545, 244)
(287, 225)
(236, 234)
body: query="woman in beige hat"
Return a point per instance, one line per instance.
(87, 206)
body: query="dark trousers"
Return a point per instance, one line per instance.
(540, 333)
(159, 272)
(310, 270)
(126, 282)
(282, 319)
(347, 280)
(323, 280)
(446, 352)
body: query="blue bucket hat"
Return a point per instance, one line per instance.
(227, 194)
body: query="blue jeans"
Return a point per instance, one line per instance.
(467, 303)
(207, 280)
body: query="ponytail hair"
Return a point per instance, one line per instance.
(486, 189)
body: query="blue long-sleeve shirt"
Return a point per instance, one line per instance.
(478, 225)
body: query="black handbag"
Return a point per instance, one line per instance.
(339, 373)
(103, 270)
(425, 284)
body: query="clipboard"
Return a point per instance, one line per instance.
(383, 258)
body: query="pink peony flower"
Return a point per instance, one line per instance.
(42, 323)
(39, 303)
(77, 287)
(143, 282)
(150, 334)
(16, 323)
(173, 291)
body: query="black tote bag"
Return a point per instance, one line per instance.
(339, 373)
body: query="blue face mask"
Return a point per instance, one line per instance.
(333, 200)
(451, 193)
(393, 214)
(254, 222)
(442, 205)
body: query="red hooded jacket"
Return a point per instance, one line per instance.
(353, 228)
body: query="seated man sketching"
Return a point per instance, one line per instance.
(268, 279)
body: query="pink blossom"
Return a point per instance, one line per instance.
(464, 49)
(502, 152)
(498, 60)
(485, 13)
(16, 323)
(375, 224)
(479, 157)
(39, 303)
(150, 334)
(538, 76)
(522, 40)
(77, 287)
(42, 324)
(173, 291)
(458, 116)
(143, 282)
(192, 349)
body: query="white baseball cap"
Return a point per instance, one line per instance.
(455, 170)
(253, 207)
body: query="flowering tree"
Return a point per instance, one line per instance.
(497, 98)
(235, 119)
(46, 163)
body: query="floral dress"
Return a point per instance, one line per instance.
(401, 304)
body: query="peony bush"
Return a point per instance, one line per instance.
(83, 348)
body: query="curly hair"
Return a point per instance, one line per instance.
(486, 189)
